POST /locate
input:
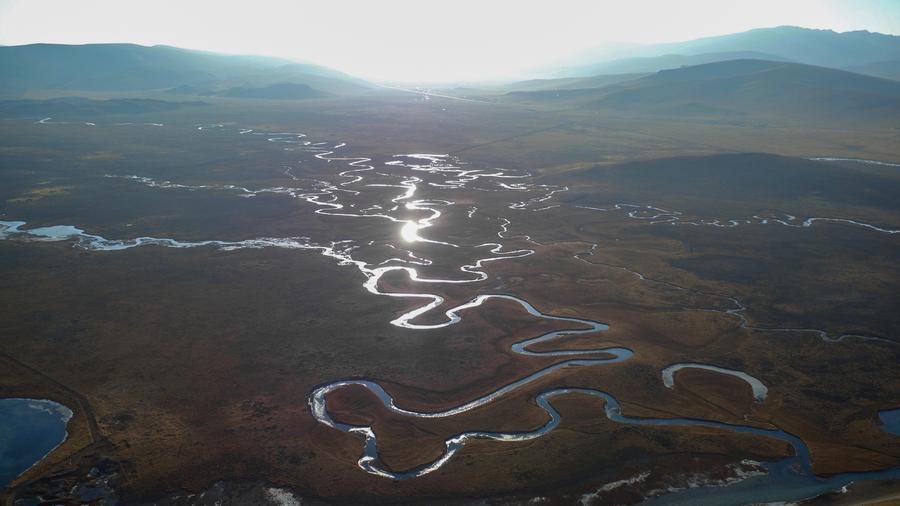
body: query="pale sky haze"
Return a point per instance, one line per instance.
(420, 40)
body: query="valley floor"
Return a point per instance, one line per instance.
(234, 293)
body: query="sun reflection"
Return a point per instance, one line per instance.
(410, 231)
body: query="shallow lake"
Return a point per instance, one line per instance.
(29, 430)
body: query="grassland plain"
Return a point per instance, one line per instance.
(186, 367)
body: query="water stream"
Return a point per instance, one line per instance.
(404, 178)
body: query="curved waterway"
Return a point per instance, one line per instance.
(370, 460)
(854, 160)
(29, 430)
(658, 215)
(760, 391)
(404, 178)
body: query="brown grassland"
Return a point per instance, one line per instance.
(189, 366)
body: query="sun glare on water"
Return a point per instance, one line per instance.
(410, 231)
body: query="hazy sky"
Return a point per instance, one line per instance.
(420, 40)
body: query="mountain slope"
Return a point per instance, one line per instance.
(746, 88)
(128, 67)
(758, 87)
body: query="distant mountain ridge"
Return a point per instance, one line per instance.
(825, 48)
(132, 67)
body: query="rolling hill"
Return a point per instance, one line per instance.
(762, 87)
(280, 91)
(745, 88)
(131, 67)
(648, 64)
(570, 83)
(884, 69)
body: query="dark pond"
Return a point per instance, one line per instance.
(29, 430)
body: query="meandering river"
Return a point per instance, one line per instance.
(390, 192)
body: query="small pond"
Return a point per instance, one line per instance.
(29, 430)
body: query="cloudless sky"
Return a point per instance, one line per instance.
(421, 40)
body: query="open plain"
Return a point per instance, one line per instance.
(230, 260)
